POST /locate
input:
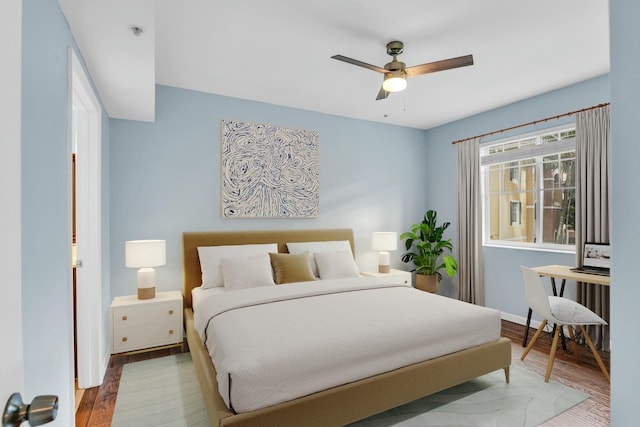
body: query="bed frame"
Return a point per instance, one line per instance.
(339, 405)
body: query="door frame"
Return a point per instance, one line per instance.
(87, 112)
(11, 329)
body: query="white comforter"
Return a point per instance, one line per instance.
(277, 343)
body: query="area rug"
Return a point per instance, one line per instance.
(486, 401)
(160, 392)
(165, 392)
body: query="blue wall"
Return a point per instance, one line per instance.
(502, 278)
(165, 177)
(46, 207)
(625, 181)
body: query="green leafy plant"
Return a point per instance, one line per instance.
(425, 246)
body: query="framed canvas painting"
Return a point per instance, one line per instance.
(269, 171)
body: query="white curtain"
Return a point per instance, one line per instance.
(470, 274)
(593, 206)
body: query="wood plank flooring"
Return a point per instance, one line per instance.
(97, 404)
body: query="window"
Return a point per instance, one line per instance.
(516, 218)
(514, 172)
(529, 190)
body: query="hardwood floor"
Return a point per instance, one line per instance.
(96, 407)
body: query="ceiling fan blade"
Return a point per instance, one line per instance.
(445, 64)
(359, 63)
(383, 94)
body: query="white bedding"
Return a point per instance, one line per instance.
(277, 343)
(199, 293)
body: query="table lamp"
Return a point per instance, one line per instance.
(145, 254)
(384, 241)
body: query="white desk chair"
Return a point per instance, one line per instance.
(561, 312)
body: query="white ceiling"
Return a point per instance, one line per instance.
(279, 52)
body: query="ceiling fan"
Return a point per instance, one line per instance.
(396, 72)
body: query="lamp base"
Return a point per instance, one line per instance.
(146, 283)
(384, 268)
(384, 262)
(147, 293)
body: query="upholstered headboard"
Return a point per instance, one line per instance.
(192, 240)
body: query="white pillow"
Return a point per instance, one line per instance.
(247, 272)
(210, 257)
(313, 247)
(336, 265)
(572, 312)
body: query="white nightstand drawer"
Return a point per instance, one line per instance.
(127, 339)
(148, 314)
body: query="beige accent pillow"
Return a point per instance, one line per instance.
(291, 267)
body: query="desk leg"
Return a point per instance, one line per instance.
(555, 293)
(526, 331)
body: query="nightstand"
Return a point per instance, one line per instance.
(401, 275)
(140, 325)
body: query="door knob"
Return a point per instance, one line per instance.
(43, 409)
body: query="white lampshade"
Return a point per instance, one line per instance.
(384, 241)
(145, 254)
(394, 81)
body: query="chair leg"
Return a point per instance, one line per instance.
(506, 374)
(533, 340)
(552, 354)
(574, 346)
(595, 353)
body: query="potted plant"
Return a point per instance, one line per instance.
(425, 246)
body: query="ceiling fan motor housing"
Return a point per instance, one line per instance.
(395, 48)
(395, 66)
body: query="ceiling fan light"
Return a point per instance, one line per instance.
(394, 81)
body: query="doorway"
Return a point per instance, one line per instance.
(85, 119)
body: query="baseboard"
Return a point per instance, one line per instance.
(105, 364)
(520, 320)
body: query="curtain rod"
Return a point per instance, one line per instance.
(535, 122)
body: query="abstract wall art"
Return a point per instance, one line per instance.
(269, 171)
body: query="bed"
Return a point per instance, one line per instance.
(339, 404)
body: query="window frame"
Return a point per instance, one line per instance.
(537, 152)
